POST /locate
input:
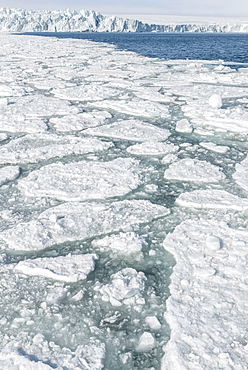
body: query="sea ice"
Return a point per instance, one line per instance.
(241, 174)
(207, 308)
(184, 126)
(153, 322)
(83, 180)
(70, 269)
(152, 148)
(33, 148)
(80, 121)
(146, 342)
(126, 287)
(86, 93)
(212, 198)
(79, 221)
(125, 245)
(215, 101)
(193, 170)
(215, 148)
(9, 173)
(133, 130)
(139, 107)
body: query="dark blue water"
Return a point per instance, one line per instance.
(229, 47)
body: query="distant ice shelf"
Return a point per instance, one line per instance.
(20, 20)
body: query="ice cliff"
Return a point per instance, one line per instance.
(20, 20)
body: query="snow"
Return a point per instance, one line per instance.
(123, 204)
(91, 180)
(193, 170)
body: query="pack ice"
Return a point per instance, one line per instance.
(123, 203)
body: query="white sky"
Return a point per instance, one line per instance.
(218, 8)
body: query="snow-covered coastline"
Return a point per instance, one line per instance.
(20, 20)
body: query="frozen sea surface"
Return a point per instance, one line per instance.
(123, 209)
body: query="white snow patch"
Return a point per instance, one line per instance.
(85, 93)
(70, 269)
(194, 170)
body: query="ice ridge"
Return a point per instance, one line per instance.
(21, 20)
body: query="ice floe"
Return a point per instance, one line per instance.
(79, 221)
(9, 173)
(207, 309)
(34, 148)
(212, 198)
(152, 148)
(194, 170)
(124, 245)
(215, 148)
(83, 180)
(241, 174)
(85, 93)
(70, 269)
(133, 130)
(80, 121)
(139, 107)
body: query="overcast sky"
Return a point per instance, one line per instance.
(219, 8)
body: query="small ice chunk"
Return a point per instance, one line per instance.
(213, 242)
(146, 342)
(215, 148)
(193, 170)
(70, 269)
(169, 158)
(153, 322)
(215, 101)
(8, 173)
(126, 287)
(184, 126)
